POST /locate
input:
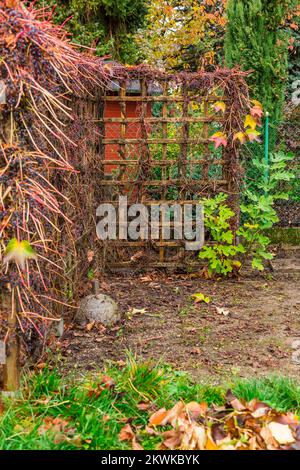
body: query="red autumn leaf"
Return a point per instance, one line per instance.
(253, 135)
(219, 138)
(256, 112)
(108, 382)
(126, 433)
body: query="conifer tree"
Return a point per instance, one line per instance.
(256, 40)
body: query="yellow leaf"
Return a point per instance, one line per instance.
(253, 134)
(218, 134)
(250, 122)
(210, 445)
(18, 252)
(236, 264)
(219, 106)
(251, 226)
(257, 103)
(199, 297)
(240, 136)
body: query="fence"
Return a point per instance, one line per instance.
(154, 136)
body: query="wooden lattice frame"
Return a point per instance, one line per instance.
(133, 174)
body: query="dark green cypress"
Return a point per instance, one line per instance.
(256, 40)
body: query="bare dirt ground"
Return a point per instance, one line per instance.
(253, 339)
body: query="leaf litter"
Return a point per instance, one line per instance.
(237, 425)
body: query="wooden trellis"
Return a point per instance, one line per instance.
(168, 157)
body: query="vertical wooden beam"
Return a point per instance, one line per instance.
(122, 93)
(145, 153)
(11, 377)
(163, 168)
(101, 145)
(205, 168)
(182, 162)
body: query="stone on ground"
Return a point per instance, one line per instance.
(99, 308)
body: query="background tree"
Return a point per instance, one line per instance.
(293, 23)
(182, 34)
(257, 40)
(107, 25)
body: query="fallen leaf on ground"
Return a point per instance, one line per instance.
(126, 433)
(281, 432)
(90, 326)
(236, 426)
(195, 409)
(146, 279)
(137, 256)
(136, 445)
(107, 381)
(196, 351)
(199, 297)
(158, 417)
(90, 255)
(222, 311)
(143, 406)
(135, 311)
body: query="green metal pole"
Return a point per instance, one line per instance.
(267, 122)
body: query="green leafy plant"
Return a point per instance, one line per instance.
(221, 255)
(258, 215)
(258, 210)
(272, 178)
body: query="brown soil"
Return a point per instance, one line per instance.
(254, 339)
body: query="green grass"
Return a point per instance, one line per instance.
(281, 393)
(98, 418)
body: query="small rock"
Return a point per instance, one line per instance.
(99, 308)
(296, 344)
(296, 357)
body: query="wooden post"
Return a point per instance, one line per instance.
(205, 168)
(2, 353)
(11, 376)
(163, 168)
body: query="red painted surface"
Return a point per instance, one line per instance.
(113, 131)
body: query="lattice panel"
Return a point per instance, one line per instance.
(157, 149)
